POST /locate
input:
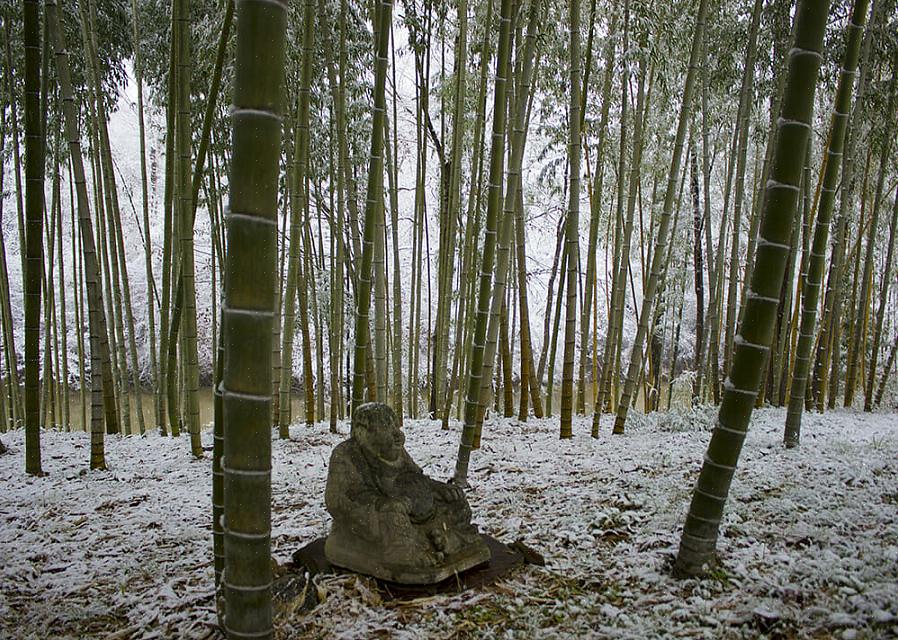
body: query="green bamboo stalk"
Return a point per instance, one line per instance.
(374, 193)
(337, 227)
(99, 349)
(572, 226)
(810, 286)
(145, 210)
(453, 205)
(78, 277)
(247, 317)
(887, 370)
(612, 335)
(497, 154)
(34, 207)
(890, 252)
(699, 539)
(298, 197)
(393, 175)
(9, 351)
(518, 135)
(596, 213)
(186, 219)
(870, 401)
(472, 222)
(830, 330)
(858, 342)
(168, 227)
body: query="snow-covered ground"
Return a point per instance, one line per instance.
(809, 544)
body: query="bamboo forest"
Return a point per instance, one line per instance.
(461, 319)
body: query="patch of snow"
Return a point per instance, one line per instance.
(808, 544)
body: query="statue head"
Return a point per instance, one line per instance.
(376, 429)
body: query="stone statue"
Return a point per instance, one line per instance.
(390, 520)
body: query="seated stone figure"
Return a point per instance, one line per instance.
(390, 520)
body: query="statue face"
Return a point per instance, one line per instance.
(378, 433)
(386, 442)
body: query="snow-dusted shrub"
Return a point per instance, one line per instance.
(698, 418)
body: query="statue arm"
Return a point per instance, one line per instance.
(349, 493)
(346, 491)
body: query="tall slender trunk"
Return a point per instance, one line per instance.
(336, 94)
(858, 340)
(11, 360)
(446, 268)
(298, 197)
(830, 331)
(699, 539)
(497, 154)
(746, 94)
(612, 334)
(810, 286)
(248, 314)
(168, 257)
(186, 220)
(383, 19)
(34, 212)
(659, 258)
(472, 225)
(595, 206)
(393, 175)
(868, 264)
(100, 371)
(518, 135)
(698, 278)
(572, 226)
(145, 209)
(880, 313)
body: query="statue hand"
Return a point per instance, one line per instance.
(451, 492)
(401, 505)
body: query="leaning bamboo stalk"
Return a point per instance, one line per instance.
(890, 252)
(497, 153)
(752, 345)
(812, 280)
(99, 351)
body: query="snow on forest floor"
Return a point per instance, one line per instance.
(809, 542)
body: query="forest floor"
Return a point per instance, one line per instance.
(809, 544)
